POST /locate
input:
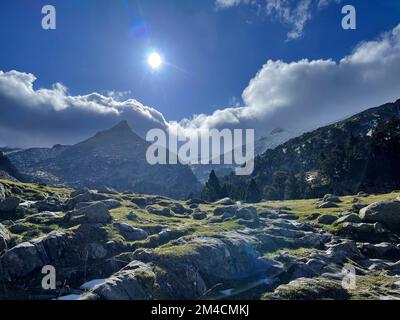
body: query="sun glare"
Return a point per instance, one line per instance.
(154, 60)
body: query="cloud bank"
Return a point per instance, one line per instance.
(44, 117)
(309, 93)
(298, 96)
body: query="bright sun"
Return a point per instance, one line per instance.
(154, 60)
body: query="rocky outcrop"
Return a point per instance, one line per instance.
(166, 212)
(26, 257)
(384, 212)
(94, 213)
(142, 281)
(310, 289)
(327, 219)
(131, 233)
(230, 256)
(84, 196)
(331, 198)
(9, 204)
(352, 217)
(365, 232)
(382, 250)
(243, 212)
(49, 204)
(327, 205)
(199, 215)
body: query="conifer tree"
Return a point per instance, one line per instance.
(212, 190)
(253, 193)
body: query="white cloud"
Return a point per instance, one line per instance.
(295, 14)
(309, 93)
(325, 3)
(55, 116)
(229, 3)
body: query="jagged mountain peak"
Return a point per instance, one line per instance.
(119, 130)
(123, 125)
(115, 157)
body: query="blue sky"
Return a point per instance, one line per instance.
(210, 53)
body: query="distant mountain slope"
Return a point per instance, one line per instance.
(115, 158)
(270, 141)
(334, 158)
(7, 170)
(27, 160)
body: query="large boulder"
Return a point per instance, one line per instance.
(199, 215)
(224, 202)
(356, 207)
(352, 217)
(231, 255)
(96, 250)
(247, 213)
(142, 281)
(331, 198)
(365, 232)
(95, 213)
(9, 204)
(382, 250)
(343, 251)
(27, 257)
(385, 212)
(180, 209)
(86, 196)
(49, 204)
(327, 219)
(165, 212)
(310, 289)
(130, 233)
(228, 211)
(327, 205)
(19, 228)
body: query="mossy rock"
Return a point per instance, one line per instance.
(309, 289)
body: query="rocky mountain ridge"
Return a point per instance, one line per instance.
(336, 158)
(115, 158)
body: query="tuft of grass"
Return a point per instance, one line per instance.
(374, 286)
(306, 207)
(297, 253)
